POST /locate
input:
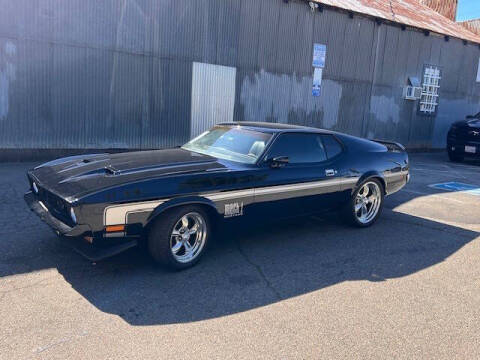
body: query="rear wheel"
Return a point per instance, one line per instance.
(179, 237)
(366, 203)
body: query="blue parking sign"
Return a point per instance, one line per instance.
(319, 54)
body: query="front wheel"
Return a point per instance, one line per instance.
(179, 237)
(366, 203)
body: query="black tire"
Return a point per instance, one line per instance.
(349, 210)
(159, 237)
(455, 157)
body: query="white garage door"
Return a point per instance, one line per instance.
(213, 96)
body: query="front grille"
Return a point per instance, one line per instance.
(56, 205)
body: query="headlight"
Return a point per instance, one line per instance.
(35, 188)
(72, 215)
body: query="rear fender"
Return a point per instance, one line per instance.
(370, 175)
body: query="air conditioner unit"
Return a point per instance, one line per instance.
(412, 92)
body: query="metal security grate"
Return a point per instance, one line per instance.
(430, 87)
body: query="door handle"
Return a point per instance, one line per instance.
(330, 172)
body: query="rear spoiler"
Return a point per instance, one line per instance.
(391, 145)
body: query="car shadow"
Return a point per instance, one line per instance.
(246, 267)
(258, 266)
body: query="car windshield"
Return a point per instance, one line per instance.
(230, 143)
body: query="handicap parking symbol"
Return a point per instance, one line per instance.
(457, 186)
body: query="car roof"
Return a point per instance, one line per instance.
(275, 127)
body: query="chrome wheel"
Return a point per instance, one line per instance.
(188, 237)
(367, 202)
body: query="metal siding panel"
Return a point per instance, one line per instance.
(469, 71)
(335, 43)
(424, 53)
(350, 49)
(379, 55)
(95, 87)
(13, 18)
(228, 27)
(86, 22)
(400, 71)
(119, 73)
(451, 64)
(37, 21)
(365, 42)
(68, 110)
(13, 90)
(436, 49)
(158, 93)
(413, 52)
(206, 23)
(175, 130)
(25, 93)
(128, 89)
(285, 38)
(248, 37)
(176, 28)
(303, 41)
(388, 66)
(168, 108)
(354, 98)
(267, 45)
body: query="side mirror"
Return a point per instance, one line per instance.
(279, 161)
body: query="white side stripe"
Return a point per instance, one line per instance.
(303, 186)
(117, 214)
(230, 194)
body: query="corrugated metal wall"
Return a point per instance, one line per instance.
(118, 73)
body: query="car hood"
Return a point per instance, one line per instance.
(75, 176)
(473, 123)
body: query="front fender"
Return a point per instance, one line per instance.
(187, 200)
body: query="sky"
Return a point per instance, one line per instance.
(468, 9)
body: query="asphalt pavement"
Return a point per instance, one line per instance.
(314, 288)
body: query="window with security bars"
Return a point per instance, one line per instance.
(430, 87)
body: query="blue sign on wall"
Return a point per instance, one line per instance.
(456, 186)
(319, 54)
(317, 81)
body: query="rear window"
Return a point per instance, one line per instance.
(332, 146)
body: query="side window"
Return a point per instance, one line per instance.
(300, 148)
(332, 146)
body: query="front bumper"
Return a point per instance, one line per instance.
(75, 234)
(58, 227)
(457, 146)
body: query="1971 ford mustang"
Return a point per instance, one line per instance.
(170, 199)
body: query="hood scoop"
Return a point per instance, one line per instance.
(110, 170)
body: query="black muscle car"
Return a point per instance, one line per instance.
(106, 203)
(463, 138)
